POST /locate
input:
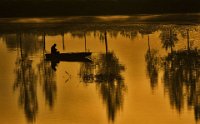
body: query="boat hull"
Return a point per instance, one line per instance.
(73, 57)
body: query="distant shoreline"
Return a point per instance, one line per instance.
(78, 8)
(181, 18)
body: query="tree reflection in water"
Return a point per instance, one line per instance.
(47, 77)
(26, 76)
(152, 67)
(110, 83)
(105, 71)
(25, 82)
(182, 69)
(181, 73)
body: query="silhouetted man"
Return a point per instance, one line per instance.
(54, 61)
(54, 50)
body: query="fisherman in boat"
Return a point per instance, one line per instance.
(54, 50)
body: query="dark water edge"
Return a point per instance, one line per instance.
(91, 8)
(60, 24)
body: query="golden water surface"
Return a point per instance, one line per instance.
(138, 74)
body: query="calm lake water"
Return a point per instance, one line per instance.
(137, 74)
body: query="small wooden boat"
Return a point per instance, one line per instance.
(73, 57)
